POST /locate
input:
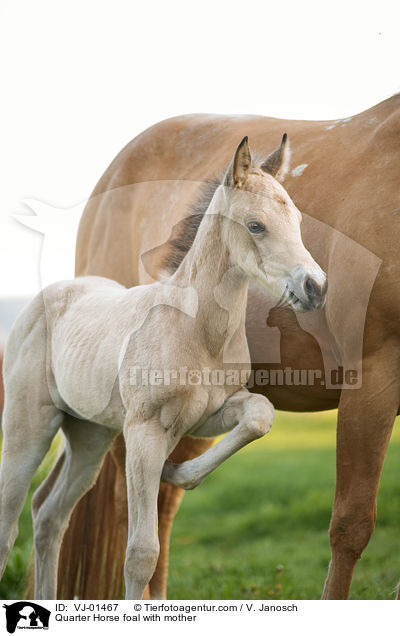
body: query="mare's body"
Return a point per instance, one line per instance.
(344, 174)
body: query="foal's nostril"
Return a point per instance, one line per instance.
(314, 290)
(311, 287)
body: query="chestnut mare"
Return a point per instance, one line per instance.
(344, 175)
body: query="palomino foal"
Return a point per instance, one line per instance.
(75, 353)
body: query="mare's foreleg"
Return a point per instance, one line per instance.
(365, 422)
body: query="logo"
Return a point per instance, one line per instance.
(26, 615)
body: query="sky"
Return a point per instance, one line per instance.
(80, 79)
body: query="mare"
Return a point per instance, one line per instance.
(344, 176)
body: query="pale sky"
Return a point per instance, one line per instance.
(80, 79)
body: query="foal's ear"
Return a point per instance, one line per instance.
(238, 170)
(276, 163)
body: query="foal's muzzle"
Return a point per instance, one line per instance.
(307, 288)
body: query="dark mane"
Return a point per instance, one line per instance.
(184, 232)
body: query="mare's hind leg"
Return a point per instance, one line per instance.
(27, 434)
(53, 503)
(146, 452)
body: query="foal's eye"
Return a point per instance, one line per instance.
(256, 228)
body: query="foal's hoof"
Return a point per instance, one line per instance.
(176, 474)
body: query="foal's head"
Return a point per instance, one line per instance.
(264, 236)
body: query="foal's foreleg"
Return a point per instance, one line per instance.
(146, 452)
(169, 499)
(247, 416)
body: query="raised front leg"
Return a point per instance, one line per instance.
(365, 422)
(247, 416)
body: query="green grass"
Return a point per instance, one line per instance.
(258, 526)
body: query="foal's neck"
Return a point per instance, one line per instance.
(220, 285)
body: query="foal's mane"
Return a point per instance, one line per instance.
(184, 232)
(172, 252)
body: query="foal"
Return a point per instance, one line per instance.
(94, 358)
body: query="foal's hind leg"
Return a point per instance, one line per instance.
(86, 445)
(146, 452)
(27, 434)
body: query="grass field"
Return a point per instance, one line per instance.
(258, 527)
